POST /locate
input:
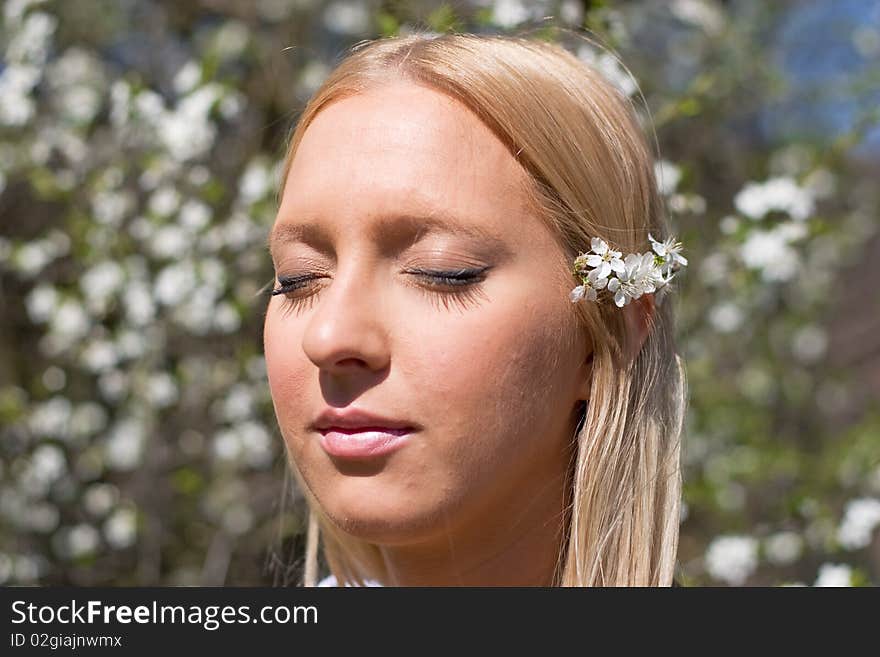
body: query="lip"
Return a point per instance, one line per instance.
(364, 443)
(358, 434)
(356, 418)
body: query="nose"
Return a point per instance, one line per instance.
(346, 333)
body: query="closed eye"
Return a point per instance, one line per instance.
(457, 286)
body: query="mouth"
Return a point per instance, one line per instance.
(363, 442)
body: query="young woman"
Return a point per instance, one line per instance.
(471, 368)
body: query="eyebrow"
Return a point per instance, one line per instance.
(420, 226)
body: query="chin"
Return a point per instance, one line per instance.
(376, 518)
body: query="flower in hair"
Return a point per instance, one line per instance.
(602, 270)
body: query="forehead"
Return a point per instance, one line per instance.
(404, 148)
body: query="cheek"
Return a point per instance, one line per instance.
(496, 382)
(287, 370)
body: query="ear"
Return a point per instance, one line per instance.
(639, 316)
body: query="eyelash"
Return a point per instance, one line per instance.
(462, 283)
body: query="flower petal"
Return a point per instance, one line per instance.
(599, 246)
(597, 282)
(577, 294)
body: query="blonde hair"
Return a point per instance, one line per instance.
(579, 140)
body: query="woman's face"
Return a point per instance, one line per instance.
(390, 191)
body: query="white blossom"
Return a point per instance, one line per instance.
(240, 231)
(30, 42)
(726, 317)
(861, 518)
(149, 106)
(187, 77)
(41, 303)
(41, 518)
(16, 83)
(125, 444)
(668, 176)
(783, 548)
(28, 567)
(640, 277)
(78, 81)
(196, 313)
(604, 258)
(256, 370)
(589, 290)
(187, 132)
(120, 529)
(54, 378)
(729, 224)
(87, 419)
(347, 17)
(732, 559)
(510, 13)
(199, 175)
(630, 278)
(164, 201)
(14, 10)
(231, 39)
(102, 280)
(571, 12)
(113, 384)
(194, 216)
(238, 403)
(110, 207)
(50, 418)
(99, 355)
(139, 306)
(81, 540)
(227, 318)
(161, 389)
(100, 498)
(226, 445)
(47, 463)
(238, 519)
(174, 283)
(834, 575)
(809, 344)
(670, 251)
(770, 252)
(311, 76)
(231, 105)
(781, 194)
(131, 344)
(255, 182)
(120, 103)
(256, 443)
(170, 242)
(31, 258)
(701, 13)
(70, 321)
